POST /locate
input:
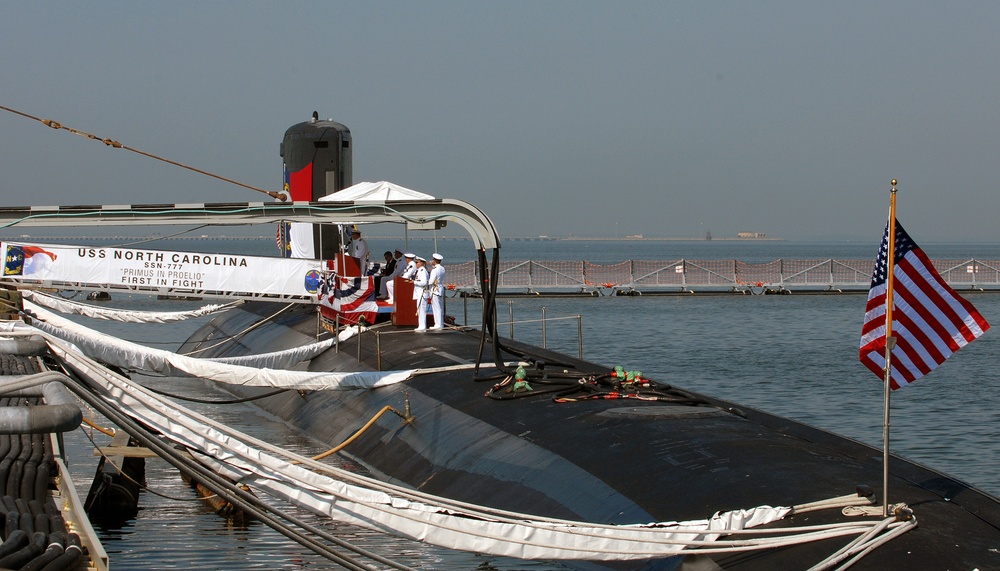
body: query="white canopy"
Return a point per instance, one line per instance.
(380, 191)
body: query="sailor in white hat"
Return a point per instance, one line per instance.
(436, 281)
(359, 249)
(421, 293)
(411, 266)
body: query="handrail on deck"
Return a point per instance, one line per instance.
(688, 275)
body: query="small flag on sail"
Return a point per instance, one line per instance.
(281, 238)
(930, 321)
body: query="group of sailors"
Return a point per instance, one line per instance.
(428, 288)
(428, 284)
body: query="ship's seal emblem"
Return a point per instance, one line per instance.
(313, 281)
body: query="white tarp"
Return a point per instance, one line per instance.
(373, 504)
(127, 355)
(301, 240)
(124, 315)
(381, 191)
(160, 271)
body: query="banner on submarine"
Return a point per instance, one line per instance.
(161, 271)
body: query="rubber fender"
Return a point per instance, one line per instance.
(56, 522)
(26, 523)
(28, 474)
(41, 523)
(14, 478)
(5, 465)
(54, 550)
(4, 439)
(12, 524)
(37, 508)
(42, 477)
(20, 557)
(17, 540)
(70, 557)
(25, 520)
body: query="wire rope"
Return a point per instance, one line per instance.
(117, 145)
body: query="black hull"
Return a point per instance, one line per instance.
(607, 461)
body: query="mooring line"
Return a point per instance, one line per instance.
(117, 145)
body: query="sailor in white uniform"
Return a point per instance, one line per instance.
(411, 267)
(420, 293)
(359, 249)
(436, 281)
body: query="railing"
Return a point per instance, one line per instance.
(544, 322)
(638, 276)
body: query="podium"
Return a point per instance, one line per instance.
(406, 306)
(347, 266)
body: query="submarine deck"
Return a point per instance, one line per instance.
(606, 461)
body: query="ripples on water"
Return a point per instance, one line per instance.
(792, 355)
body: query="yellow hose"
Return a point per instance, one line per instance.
(361, 431)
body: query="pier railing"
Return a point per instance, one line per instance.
(649, 276)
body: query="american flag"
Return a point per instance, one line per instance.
(930, 321)
(281, 238)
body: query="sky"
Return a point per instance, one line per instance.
(555, 117)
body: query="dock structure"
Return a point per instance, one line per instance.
(708, 276)
(45, 523)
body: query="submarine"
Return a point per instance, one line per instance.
(515, 433)
(586, 442)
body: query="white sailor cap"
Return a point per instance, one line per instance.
(419, 259)
(408, 255)
(438, 257)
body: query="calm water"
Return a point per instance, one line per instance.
(793, 355)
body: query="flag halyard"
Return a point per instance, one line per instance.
(930, 321)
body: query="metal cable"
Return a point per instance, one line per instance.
(117, 145)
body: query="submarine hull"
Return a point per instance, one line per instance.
(603, 461)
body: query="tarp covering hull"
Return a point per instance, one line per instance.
(129, 355)
(342, 496)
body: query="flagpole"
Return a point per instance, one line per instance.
(890, 342)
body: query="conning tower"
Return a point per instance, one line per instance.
(317, 162)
